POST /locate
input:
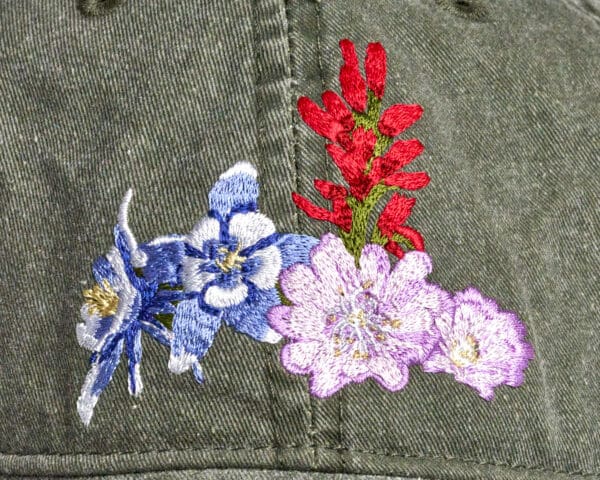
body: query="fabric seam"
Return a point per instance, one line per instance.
(342, 450)
(310, 433)
(261, 118)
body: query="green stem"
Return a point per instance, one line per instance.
(356, 239)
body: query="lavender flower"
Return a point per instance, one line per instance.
(480, 345)
(347, 324)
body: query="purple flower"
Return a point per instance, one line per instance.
(347, 324)
(480, 345)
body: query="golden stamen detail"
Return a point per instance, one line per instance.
(368, 284)
(101, 299)
(358, 355)
(464, 353)
(232, 259)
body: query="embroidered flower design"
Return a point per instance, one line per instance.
(232, 262)
(480, 345)
(371, 162)
(225, 270)
(346, 324)
(118, 308)
(347, 313)
(349, 316)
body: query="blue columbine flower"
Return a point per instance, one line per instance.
(122, 304)
(233, 258)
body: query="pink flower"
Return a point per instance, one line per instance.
(346, 324)
(480, 345)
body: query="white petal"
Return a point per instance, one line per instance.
(206, 229)
(249, 228)
(270, 267)
(194, 280)
(166, 239)
(139, 258)
(85, 339)
(238, 168)
(123, 220)
(137, 378)
(219, 297)
(181, 363)
(86, 401)
(271, 336)
(126, 293)
(119, 281)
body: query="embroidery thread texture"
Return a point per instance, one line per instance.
(180, 289)
(371, 162)
(347, 324)
(350, 315)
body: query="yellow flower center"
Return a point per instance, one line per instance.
(464, 352)
(101, 299)
(231, 260)
(357, 329)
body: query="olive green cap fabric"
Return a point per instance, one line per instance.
(164, 96)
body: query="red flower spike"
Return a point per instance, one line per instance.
(362, 146)
(352, 162)
(354, 88)
(338, 109)
(411, 234)
(312, 210)
(398, 118)
(341, 212)
(390, 222)
(340, 215)
(394, 248)
(399, 155)
(321, 122)
(376, 68)
(346, 163)
(407, 180)
(396, 212)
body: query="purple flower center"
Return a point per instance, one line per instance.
(356, 326)
(464, 351)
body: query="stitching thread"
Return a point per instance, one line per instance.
(260, 113)
(320, 60)
(340, 449)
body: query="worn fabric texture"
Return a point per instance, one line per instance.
(164, 96)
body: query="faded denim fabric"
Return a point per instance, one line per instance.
(164, 96)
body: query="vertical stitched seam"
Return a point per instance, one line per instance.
(310, 433)
(294, 125)
(265, 349)
(324, 87)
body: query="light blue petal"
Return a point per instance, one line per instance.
(295, 249)
(164, 260)
(122, 242)
(193, 333)
(96, 381)
(103, 327)
(236, 190)
(158, 331)
(103, 270)
(250, 317)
